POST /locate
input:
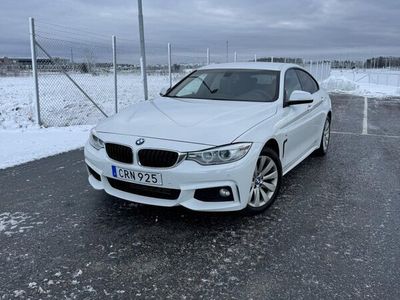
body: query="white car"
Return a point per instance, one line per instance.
(219, 140)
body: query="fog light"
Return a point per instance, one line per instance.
(214, 194)
(224, 193)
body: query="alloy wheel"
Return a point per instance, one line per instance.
(265, 182)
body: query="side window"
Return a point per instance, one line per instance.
(292, 83)
(307, 82)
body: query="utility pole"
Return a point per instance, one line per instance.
(142, 49)
(227, 51)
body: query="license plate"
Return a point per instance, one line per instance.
(136, 176)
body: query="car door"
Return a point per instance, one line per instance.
(295, 123)
(315, 112)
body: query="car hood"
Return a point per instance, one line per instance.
(209, 122)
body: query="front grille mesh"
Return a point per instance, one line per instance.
(145, 190)
(120, 153)
(157, 158)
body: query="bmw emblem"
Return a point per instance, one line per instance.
(140, 141)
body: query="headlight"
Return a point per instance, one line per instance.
(220, 155)
(95, 141)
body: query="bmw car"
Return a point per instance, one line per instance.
(221, 139)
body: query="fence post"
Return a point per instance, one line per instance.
(114, 48)
(272, 59)
(321, 73)
(208, 56)
(235, 57)
(34, 69)
(255, 57)
(169, 65)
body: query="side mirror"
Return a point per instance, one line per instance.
(164, 91)
(299, 97)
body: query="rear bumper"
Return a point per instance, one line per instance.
(187, 177)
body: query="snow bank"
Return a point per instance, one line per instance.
(20, 146)
(362, 83)
(340, 83)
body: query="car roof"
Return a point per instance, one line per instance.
(252, 66)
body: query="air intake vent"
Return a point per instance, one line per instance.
(94, 173)
(144, 190)
(157, 158)
(120, 153)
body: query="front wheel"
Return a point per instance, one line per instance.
(266, 182)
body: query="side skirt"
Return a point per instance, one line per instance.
(307, 154)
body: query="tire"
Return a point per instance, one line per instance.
(325, 138)
(264, 190)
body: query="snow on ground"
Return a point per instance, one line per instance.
(18, 222)
(16, 100)
(20, 146)
(368, 83)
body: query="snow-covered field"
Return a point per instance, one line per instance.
(22, 140)
(62, 104)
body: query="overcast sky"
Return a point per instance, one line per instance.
(300, 28)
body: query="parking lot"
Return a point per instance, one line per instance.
(334, 231)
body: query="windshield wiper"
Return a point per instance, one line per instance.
(205, 84)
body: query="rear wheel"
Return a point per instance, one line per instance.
(266, 182)
(325, 139)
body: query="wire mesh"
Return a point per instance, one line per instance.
(89, 65)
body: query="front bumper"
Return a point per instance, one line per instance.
(188, 176)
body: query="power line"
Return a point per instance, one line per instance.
(72, 28)
(79, 42)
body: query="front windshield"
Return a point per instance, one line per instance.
(229, 84)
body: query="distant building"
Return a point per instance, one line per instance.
(20, 64)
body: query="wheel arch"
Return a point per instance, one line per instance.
(273, 145)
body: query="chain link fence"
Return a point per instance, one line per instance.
(76, 80)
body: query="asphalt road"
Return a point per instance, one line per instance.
(334, 232)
